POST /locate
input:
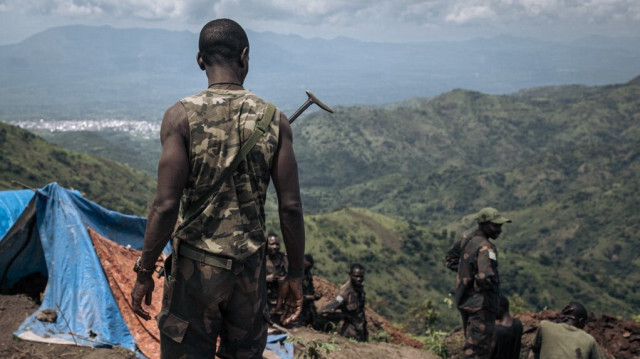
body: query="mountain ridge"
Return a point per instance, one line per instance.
(130, 72)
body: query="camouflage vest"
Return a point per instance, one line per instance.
(220, 121)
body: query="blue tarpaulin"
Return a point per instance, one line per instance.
(12, 203)
(276, 343)
(57, 244)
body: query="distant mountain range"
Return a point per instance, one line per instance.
(79, 72)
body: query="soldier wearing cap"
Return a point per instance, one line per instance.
(478, 283)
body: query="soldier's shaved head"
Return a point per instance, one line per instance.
(222, 41)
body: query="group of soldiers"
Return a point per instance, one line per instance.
(344, 313)
(489, 329)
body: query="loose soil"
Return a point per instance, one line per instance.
(619, 339)
(15, 308)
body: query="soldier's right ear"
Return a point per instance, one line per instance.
(200, 61)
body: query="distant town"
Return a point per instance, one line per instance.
(145, 129)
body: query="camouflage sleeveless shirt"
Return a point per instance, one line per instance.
(220, 122)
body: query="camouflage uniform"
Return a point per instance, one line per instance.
(350, 301)
(477, 293)
(278, 268)
(201, 301)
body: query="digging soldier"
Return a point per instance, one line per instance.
(217, 282)
(277, 264)
(565, 338)
(477, 293)
(350, 304)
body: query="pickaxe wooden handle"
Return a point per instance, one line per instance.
(311, 100)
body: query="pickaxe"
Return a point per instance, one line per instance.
(311, 100)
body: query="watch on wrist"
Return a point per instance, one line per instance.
(138, 268)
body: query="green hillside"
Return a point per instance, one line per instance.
(136, 151)
(28, 159)
(562, 161)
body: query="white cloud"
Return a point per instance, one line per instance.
(142, 9)
(366, 19)
(466, 14)
(343, 12)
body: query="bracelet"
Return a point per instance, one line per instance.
(137, 267)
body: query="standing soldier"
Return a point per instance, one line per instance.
(478, 283)
(277, 264)
(217, 283)
(350, 302)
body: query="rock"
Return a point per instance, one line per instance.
(47, 315)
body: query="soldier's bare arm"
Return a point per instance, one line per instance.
(173, 172)
(284, 174)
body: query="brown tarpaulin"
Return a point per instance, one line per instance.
(117, 262)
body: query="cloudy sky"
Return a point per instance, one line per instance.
(368, 20)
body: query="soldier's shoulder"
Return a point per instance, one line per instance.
(346, 287)
(475, 242)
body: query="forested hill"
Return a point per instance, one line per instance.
(563, 162)
(432, 160)
(26, 159)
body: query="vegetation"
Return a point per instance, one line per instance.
(136, 151)
(29, 160)
(314, 348)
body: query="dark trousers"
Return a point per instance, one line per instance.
(202, 303)
(478, 333)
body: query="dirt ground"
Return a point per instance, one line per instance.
(619, 339)
(14, 309)
(349, 349)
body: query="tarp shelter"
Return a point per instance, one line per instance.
(86, 253)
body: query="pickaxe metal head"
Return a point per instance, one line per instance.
(311, 100)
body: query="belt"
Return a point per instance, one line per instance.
(207, 258)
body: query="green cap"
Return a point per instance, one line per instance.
(489, 214)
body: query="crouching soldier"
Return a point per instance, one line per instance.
(348, 306)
